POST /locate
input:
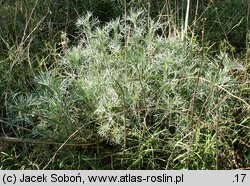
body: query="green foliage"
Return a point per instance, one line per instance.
(226, 24)
(134, 97)
(145, 100)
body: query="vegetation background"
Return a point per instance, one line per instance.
(113, 84)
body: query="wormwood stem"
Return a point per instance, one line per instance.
(124, 117)
(195, 20)
(126, 38)
(126, 76)
(196, 88)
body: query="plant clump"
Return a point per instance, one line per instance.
(145, 95)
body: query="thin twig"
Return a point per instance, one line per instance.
(220, 87)
(33, 141)
(231, 94)
(65, 142)
(124, 114)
